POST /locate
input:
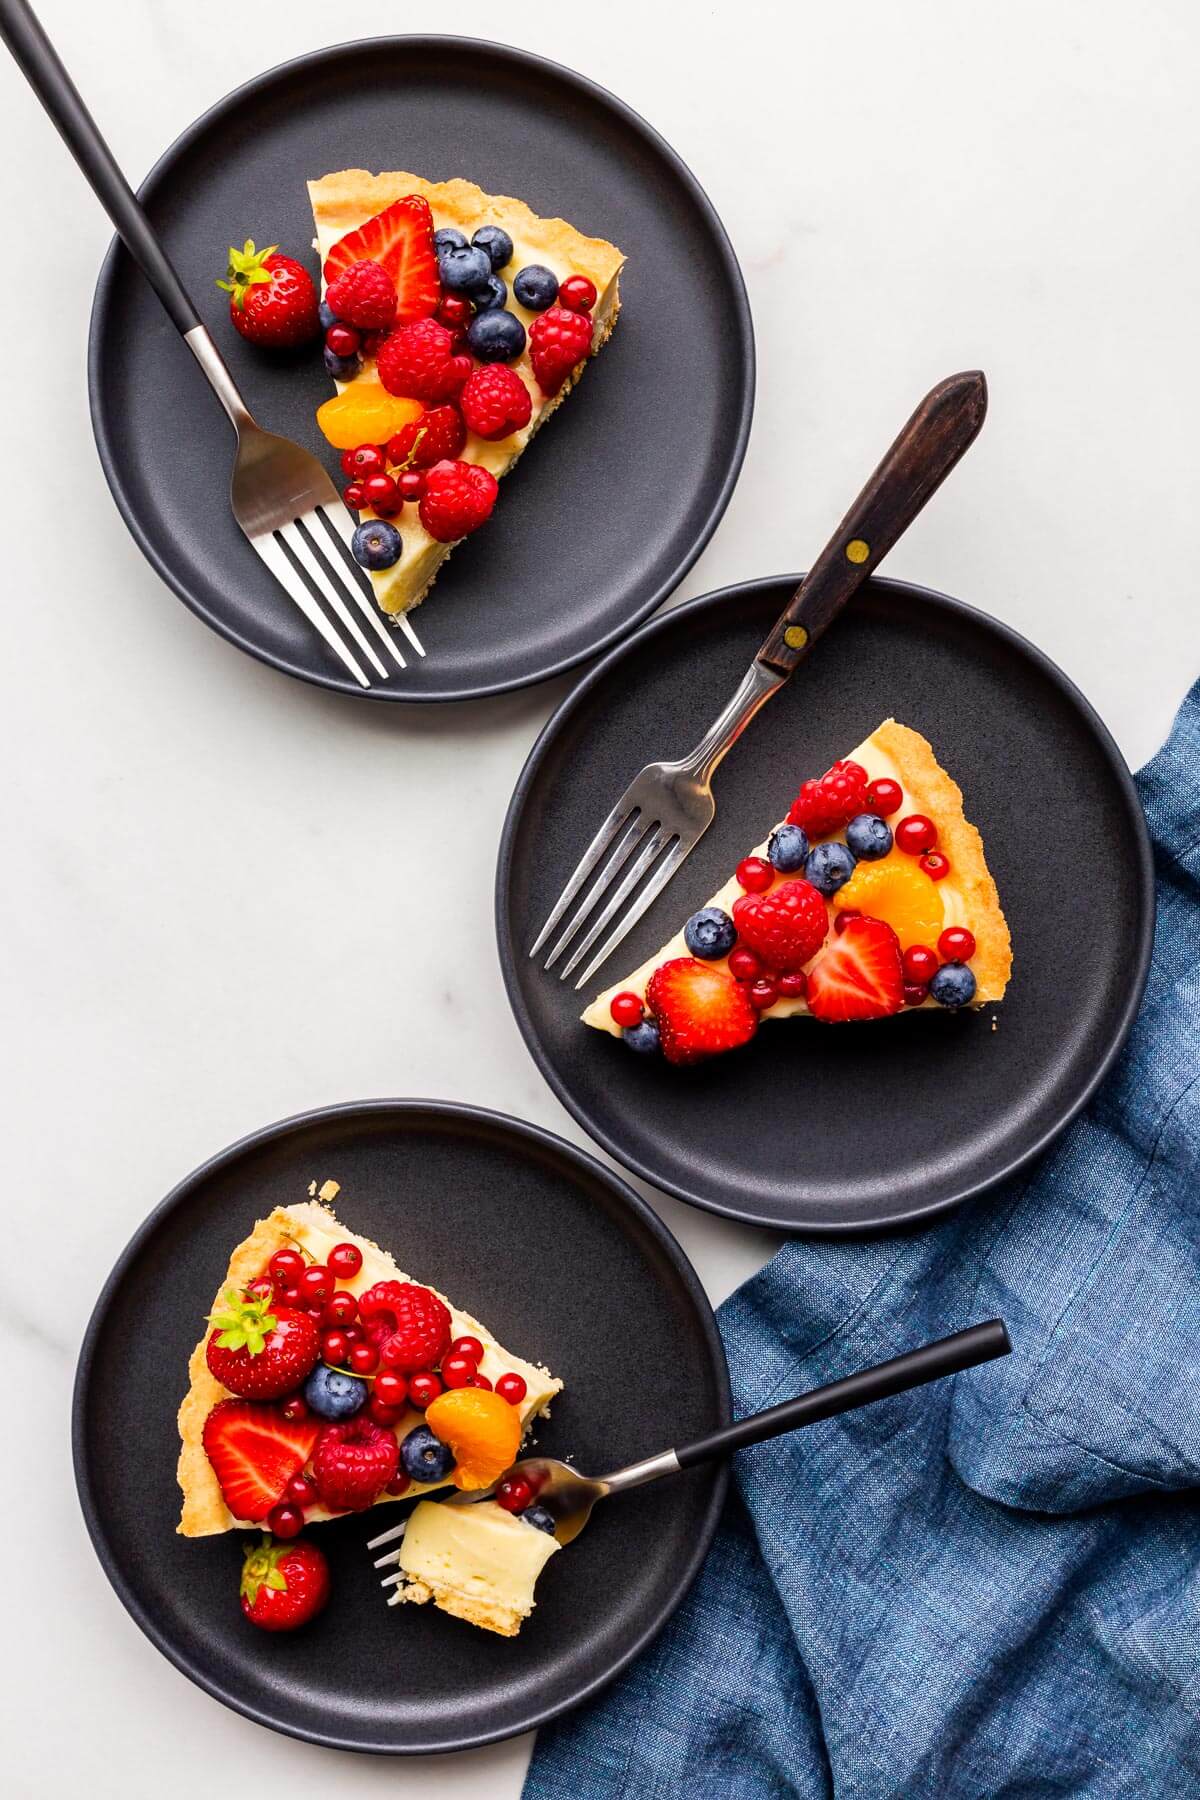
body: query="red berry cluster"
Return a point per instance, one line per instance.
(956, 944)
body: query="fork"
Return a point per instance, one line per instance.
(568, 1496)
(665, 811)
(281, 496)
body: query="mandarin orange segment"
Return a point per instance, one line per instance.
(365, 414)
(481, 1428)
(898, 892)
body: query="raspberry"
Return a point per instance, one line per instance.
(409, 1326)
(353, 1462)
(831, 802)
(495, 401)
(558, 339)
(458, 498)
(439, 434)
(418, 360)
(785, 927)
(363, 295)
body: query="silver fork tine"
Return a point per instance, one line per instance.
(653, 846)
(587, 862)
(308, 559)
(328, 554)
(653, 889)
(633, 835)
(338, 520)
(388, 1537)
(273, 555)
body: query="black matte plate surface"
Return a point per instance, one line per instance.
(568, 1267)
(838, 1128)
(587, 538)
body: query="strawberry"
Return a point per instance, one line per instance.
(283, 1585)
(353, 1463)
(408, 1324)
(495, 401)
(418, 360)
(260, 1350)
(700, 1010)
(785, 927)
(859, 975)
(439, 434)
(832, 801)
(364, 295)
(458, 499)
(400, 239)
(255, 1452)
(558, 339)
(273, 301)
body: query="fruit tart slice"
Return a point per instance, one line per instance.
(329, 1382)
(456, 322)
(871, 898)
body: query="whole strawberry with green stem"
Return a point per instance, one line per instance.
(283, 1585)
(259, 1349)
(273, 302)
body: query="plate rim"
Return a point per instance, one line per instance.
(1140, 953)
(526, 1133)
(107, 445)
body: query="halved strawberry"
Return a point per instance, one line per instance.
(700, 1010)
(401, 239)
(859, 975)
(255, 1452)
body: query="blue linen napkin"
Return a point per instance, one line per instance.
(990, 1587)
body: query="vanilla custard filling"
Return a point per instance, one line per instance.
(479, 1561)
(879, 766)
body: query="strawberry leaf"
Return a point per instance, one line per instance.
(243, 1322)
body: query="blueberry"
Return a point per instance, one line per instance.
(492, 294)
(327, 315)
(787, 848)
(376, 544)
(342, 368)
(710, 933)
(424, 1457)
(462, 268)
(332, 1395)
(539, 1518)
(643, 1038)
(496, 336)
(448, 239)
(828, 867)
(536, 288)
(953, 985)
(496, 243)
(869, 837)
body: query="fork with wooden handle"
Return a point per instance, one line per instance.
(281, 496)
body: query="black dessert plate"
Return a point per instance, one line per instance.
(589, 535)
(842, 1128)
(568, 1267)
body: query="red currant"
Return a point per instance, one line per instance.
(290, 1296)
(843, 919)
(262, 1288)
(384, 1415)
(363, 1359)
(316, 1285)
(343, 340)
(763, 993)
(577, 293)
(957, 944)
(335, 1348)
(794, 985)
(479, 1381)
(345, 1260)
(514, 1494)
(457, 1371)
(411, 484)
(885, 797)
(315, 1311)
(286, 1266)
(920, 964)
(381, 492)
(915, 994)
(285, 1520)
(916, 834)
(935, 865)
(744, 965)
(626, 1009)
(353, 496)
(341, 1308)
(301, 1490)
(423, 1387)
(754, 874)
(295, 1409)
(467, 1346)
(454, 311)
(391, 1389)
(400, 1486)
(363, 460)
(512, 1388)
(355, 1333)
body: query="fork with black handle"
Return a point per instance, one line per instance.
(281, 496)
(665, 811)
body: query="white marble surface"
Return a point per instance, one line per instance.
(205, 861)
